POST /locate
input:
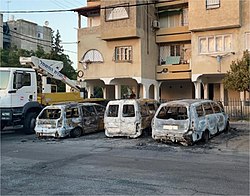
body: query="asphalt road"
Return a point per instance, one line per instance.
(96, 165)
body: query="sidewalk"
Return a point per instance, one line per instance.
(240, 140)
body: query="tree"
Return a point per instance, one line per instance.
(57, 54)
(238, 78)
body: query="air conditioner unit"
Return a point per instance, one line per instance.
(156, 24)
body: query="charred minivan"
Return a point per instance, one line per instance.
(129, 117)
(70, 119)
(189, 120)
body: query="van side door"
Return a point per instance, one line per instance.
(112, 117)
(128, 118)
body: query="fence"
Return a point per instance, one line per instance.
(237, 110)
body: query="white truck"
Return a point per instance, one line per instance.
(19, 103)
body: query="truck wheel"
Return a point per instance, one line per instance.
(29, 123)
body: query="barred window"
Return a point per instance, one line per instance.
(212, 4)
(123, 53)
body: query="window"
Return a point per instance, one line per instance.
(216, 108)
(175, 50)
(92, 55)
(208, 108)
(248, 41)
(212, 4)
(199, 111)
(26, 79)
(72, 112)
(21, 79)
(4, 76)
(171, 54)
(50, 114)
(117, 12)
(173, 112)
(113, 111)
(214, 44)
(100, 109)
(128, 111)
(85, 112)
(123, 53)
(173, 17)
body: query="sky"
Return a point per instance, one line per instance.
(65, 22)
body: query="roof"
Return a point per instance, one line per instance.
(187, 101)
(87, 10)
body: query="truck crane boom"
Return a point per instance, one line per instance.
(50, 68)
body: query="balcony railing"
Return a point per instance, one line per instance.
(173, 72)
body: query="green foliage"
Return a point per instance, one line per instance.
(238, 78)
(10, 58)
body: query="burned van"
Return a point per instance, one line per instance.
(129, 117)
(70, 119)
(189, 120)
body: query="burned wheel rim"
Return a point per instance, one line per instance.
(77, 132)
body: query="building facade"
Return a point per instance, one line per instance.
(162, 49)
(28, 35)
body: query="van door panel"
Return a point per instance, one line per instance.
(128, 122)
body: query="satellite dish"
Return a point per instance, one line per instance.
(46, 23)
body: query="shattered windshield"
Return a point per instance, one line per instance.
(50, 114)
(173, 112)
(4, 79)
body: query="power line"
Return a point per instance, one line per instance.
(40, 43)
(70, 10)
(43, 40)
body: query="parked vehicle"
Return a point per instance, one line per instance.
(70, 119)
(129, 117)
(189, 120)
(20, 102)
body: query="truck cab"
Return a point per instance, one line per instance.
(18, 97)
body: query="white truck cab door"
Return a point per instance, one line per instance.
(24, 88)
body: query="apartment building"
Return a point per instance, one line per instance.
(28, 35)
(220, 36)
(162, 49)
(118, 48)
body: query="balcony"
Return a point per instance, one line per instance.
(173, 34)
(88, 31)
(173, 72)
